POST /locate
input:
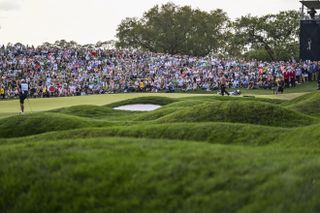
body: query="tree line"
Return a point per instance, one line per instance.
(174, 29)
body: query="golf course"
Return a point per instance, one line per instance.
(257, 152)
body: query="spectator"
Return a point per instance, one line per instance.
(2, 92)
(81, 71)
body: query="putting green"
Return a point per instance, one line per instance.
(45, 104)
(11, 107)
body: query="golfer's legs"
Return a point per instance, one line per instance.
(223, 90)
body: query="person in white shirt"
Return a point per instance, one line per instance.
(23, 93)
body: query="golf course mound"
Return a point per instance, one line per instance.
(302, 137)
(234, 98)
(217, 133)
(156, 100)
(96, 112)
(24, 125)
(194, 154)
(143, 175)
(307, 104)
(240, 112)
(189, 103)
(168, 109)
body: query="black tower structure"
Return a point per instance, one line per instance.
(310, 31)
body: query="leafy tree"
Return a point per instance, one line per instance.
(130, 33)
(276, 34)
(175, 30)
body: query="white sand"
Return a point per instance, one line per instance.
(138, 107)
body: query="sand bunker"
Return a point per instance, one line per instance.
(138, 107)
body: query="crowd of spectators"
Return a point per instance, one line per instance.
(56, 71)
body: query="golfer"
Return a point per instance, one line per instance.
(223, 83)
(23, 93)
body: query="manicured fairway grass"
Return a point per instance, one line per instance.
(11, 107)
(45, 104)
(197, 153)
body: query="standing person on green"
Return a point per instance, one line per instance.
(23, 93)
(223, 83)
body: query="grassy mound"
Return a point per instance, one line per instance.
(23, 125)
(233, 98)
(200, 154)
(215, 133)
(300, 99)
(240, 112)
(145, 100)
(128, 175)
(153, 115)
(308, 104)
(96, 112)
(190, 104)
(301, 137)
(169, 109)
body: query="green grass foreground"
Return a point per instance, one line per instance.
(195, 154)
(131, 175)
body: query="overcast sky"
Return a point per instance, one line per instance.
(89, 21)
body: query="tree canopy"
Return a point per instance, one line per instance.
(275, 35)
(183, 30)
(175, 30)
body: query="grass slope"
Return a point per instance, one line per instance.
(199, 154)
(17, 126)
(145, 100)
(96, 112)
(308, 104)
(239, 112)
(130, 175)
(176, 111)
(301, 137)
(234, 98)
(218, 133)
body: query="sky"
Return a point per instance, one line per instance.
(89, 21)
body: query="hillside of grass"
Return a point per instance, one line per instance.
(144, 100)
(37, 123)
(234, 98)
(96, 112)
(195, 154)
(218, 133)
(308, 104)
(239, 112)
(197, 110)
(17, 126)
(301, 137)
(143, 175)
